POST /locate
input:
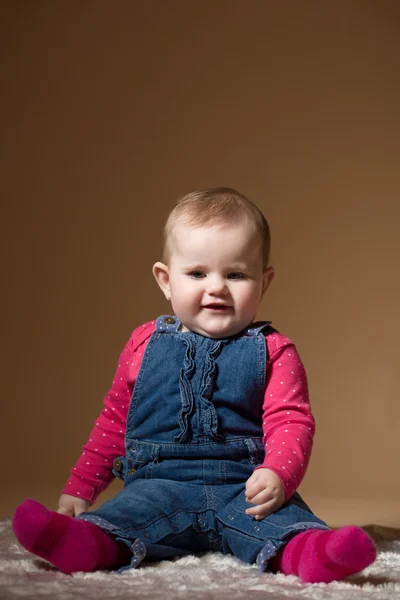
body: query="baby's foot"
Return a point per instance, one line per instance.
(69, 544)
(317, 556)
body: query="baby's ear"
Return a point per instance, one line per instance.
(268, 275)
(161, 275)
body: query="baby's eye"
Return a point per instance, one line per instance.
(236, 276)
(196, 274)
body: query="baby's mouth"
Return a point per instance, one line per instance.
(217, 307)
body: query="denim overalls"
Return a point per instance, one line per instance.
(193, 438)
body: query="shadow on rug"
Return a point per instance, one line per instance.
(206, 577)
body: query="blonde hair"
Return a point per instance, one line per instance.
(217, 205)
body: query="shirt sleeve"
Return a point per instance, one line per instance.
(288, 424)
(92, 472)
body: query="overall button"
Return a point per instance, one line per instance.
(169, 320)
(118, 464)
(132, 471)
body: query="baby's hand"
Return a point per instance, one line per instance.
(71, 506)
(265, 490)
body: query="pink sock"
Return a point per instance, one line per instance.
(69, 544)
(318, 556)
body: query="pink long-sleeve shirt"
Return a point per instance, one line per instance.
(288, 424)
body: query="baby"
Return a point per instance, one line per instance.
(208, 423)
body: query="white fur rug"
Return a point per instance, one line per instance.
(211, 576)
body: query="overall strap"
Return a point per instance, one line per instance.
(263, 327)
(167, 324)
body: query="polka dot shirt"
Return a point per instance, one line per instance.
(288, 424)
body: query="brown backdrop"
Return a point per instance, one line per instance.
(112, 110)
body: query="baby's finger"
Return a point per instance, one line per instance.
(254, 489)
(260, 498)
(260, 511)
(249, 483)
(64, 511)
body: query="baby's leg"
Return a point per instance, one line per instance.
(324, 556)
(69, 544)
(314, 552)
(156, 518)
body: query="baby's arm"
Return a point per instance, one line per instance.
(92, 472)
(288, 427)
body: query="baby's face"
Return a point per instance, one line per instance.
(216, 278)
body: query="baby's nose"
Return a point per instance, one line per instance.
(216, 285)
